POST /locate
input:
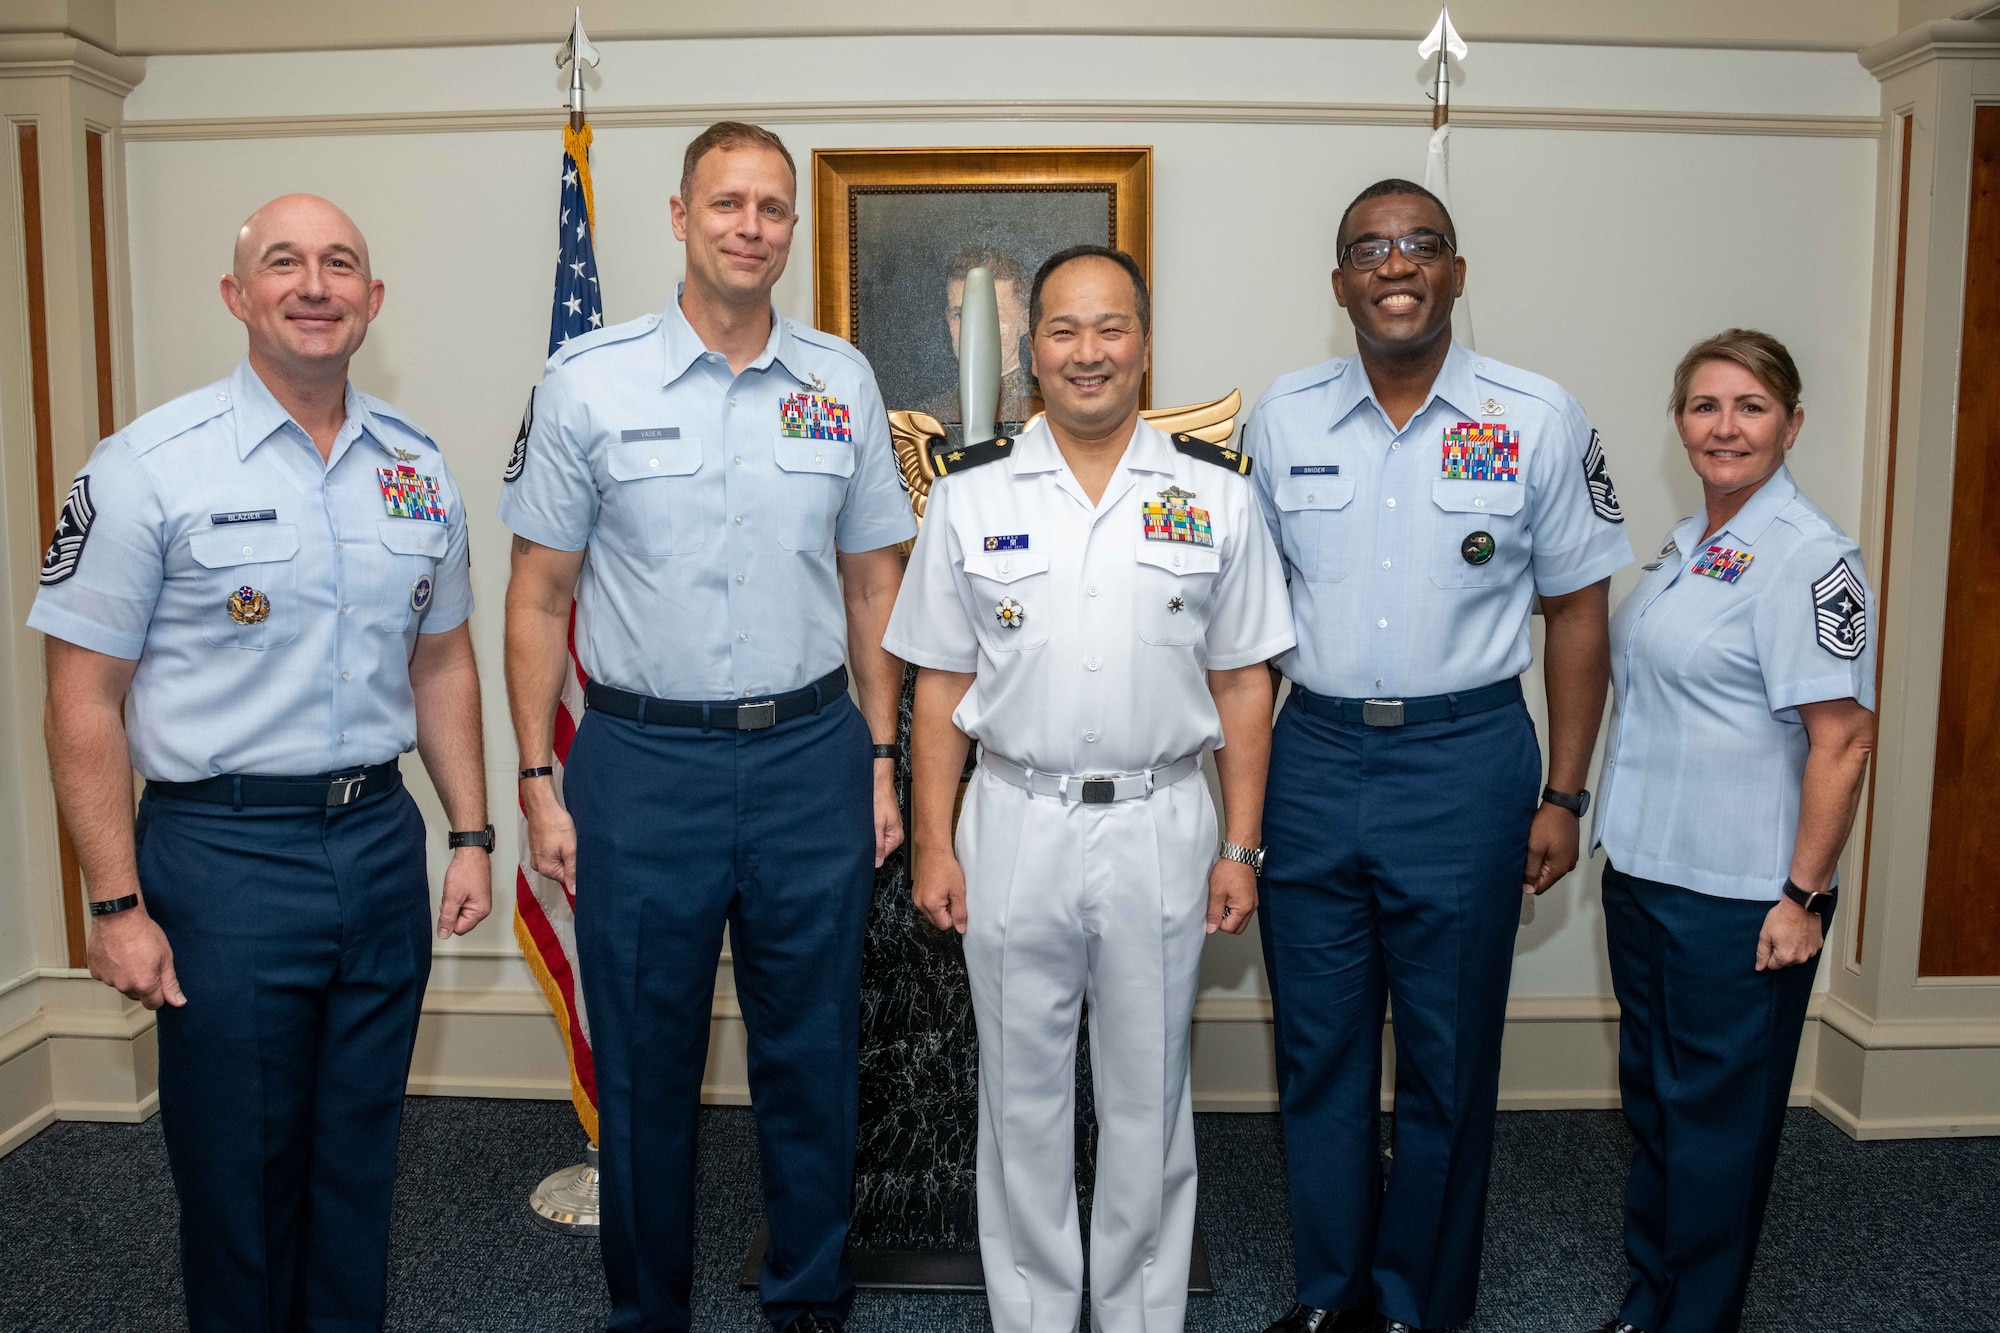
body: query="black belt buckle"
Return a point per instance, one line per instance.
(756, 717)
(1099, 791)
(1382, 712)
(345, 791)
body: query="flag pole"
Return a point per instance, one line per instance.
(1446, 45)
(568, 1200)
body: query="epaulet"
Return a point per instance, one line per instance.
(178, 417)
(1298, 381)
(613, 333)
(1219, 454)
(829, 342)
(1522, 381)
(949, 462)
(378, 408)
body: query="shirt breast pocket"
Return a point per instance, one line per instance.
(1480, 533)
(1173, 586)
(812, 480)
(657, 496)
(1010, 597)
(249, 584)
(1317, 534)
(407, 575)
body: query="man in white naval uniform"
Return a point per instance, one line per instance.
(1095, 607)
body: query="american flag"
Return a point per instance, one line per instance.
(544, 910)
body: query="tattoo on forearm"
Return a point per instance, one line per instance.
(522, 546)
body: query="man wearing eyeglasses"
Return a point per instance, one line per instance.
(1423, 497)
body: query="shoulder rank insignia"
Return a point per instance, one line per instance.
(1840, 612)
(72, 531)
(1219, 454)
(949, 462)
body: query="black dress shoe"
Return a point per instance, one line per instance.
(1308, 1319)
(814, 1323)
(1617, 1326)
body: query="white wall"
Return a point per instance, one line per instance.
(1595, 256)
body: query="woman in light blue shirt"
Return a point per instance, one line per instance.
(1743, 671)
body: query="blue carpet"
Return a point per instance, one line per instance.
(1862, 1236)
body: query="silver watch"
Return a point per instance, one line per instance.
(1249, 856)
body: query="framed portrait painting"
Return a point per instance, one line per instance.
(896, 229)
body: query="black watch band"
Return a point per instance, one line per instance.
(1577, 804)
(480, 838)
(544, 771)
(110, 906)
(1805, 898)
(887, 751)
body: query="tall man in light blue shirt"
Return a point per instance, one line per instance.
(1423, 497)
(717, 487)
(257, 596)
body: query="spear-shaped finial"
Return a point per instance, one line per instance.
(1443, 40)
(576, 53)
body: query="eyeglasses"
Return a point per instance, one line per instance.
(1419, 247)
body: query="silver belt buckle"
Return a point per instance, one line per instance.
(756, 717)
(1382, 712)
(344, 791)
(1100, 791)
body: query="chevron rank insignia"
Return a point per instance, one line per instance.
(1840, 612)
(1219, 454)
(72, 530)
(948, 462)
(518, 459)
(1603, 499)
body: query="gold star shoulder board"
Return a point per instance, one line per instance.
(947, 462)
(1219, 454)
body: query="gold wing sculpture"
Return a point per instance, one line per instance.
(913, 431)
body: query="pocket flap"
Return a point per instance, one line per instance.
(243, 544)
(1322, 492)
(407, 536)
(635, 460)
(1479, 497)
(832, 457)
(1180, 557)
(1006, 566)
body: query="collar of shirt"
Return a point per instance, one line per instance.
(1453, 385)
(685, 347)
(1750, 521)
(1036, 451)
(259, 415)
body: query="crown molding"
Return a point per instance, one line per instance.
(40, 55)
(1945, 39)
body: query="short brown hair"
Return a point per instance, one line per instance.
(727, 134)
(1759, 353)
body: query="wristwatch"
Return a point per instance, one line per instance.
(1249, 856)
(1808, 900)
(481, 838)
(1577, 805)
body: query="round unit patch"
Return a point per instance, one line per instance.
(420, 593)
(247, 606)
(1477, 548)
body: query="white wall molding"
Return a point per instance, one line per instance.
(1105, 110)
(38, 55)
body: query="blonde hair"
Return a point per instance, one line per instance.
(1759, 353)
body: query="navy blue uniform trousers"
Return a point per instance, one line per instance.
(301, 936)
(1393, 870)
(1706, 1045)
(679, 831)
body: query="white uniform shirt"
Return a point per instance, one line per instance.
(1711, 656)
(1105, 669)
(271, 599)
(1415, 555)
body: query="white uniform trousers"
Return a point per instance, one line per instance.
(1067, 902)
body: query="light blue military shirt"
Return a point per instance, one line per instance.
(1414, 556)
(1711, 656)
(710, 504)
(272, 600)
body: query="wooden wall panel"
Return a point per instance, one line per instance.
(1961, 922)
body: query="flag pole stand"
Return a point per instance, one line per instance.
(567, 1200)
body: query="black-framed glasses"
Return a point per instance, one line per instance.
(1419, 247)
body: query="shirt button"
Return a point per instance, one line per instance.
(1177, 562)
(1397, 445)
(1392, 502)
(739, 578)
(1092, 590)
(246, 550)
(1006, 566)
(1381, 624)
(345, 610)
(222, 398)
(744, 636)
(1385, 564)
(739, 518)
(732, 402)
(1479, 502)
(343, 675)
(818, 459)
(1090, 735)
(1090, 663)
(652, 462)
(739, 460)
(343, 738)
(1378, 682)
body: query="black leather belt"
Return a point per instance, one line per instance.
(724, 715)
(241, 789)
(1403, 712)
